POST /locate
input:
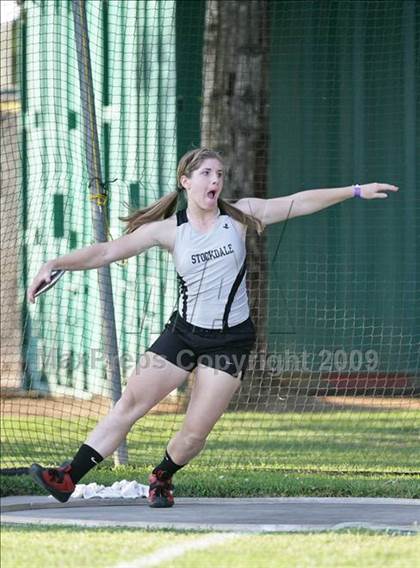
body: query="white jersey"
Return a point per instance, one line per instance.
(211, 271)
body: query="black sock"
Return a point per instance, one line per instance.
(168, 466)
(85, 459)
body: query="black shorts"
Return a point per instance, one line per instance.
(186, 345)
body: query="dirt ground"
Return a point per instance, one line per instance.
(65, 406)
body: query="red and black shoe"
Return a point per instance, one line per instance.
(56, 481)
(160, 490)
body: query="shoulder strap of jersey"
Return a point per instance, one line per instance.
(181, 217)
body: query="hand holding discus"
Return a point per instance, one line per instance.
(43, 281)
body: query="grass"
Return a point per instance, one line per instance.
(249, 454)
(330, 441)
(196, 482)
(324, 454)
(92, 548)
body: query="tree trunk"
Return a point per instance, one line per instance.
(234, 118)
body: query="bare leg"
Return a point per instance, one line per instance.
(152, 380)
(211, 394)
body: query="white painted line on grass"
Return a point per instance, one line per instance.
(177, 550)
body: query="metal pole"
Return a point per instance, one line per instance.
(98, 213)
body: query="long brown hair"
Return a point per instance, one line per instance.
(166, 206)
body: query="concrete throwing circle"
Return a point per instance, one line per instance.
(272, 514)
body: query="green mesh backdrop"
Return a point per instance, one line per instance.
(337, 380)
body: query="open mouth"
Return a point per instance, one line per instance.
(211, 194)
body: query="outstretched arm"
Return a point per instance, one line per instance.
(147, 236)
(270, 211)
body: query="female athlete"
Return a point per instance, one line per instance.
(211, 329)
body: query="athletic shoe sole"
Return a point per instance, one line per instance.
(35, 471)
(160, 503)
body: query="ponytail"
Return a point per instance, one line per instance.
(161, 209)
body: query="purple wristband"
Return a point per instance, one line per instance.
(357, 191)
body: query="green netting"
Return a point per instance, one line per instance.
(337, 364)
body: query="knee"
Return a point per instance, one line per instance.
(129, 408)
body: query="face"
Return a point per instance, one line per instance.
(205, 184)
